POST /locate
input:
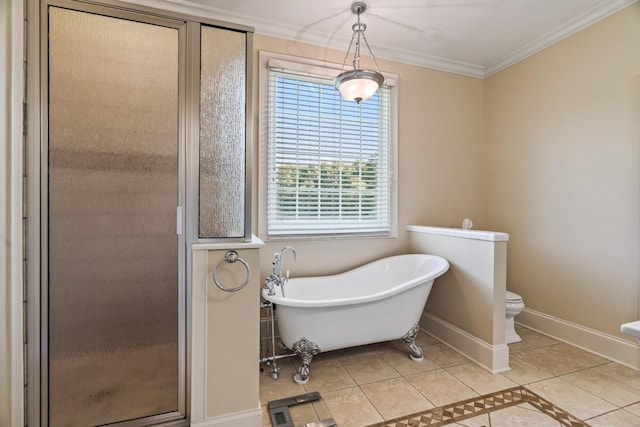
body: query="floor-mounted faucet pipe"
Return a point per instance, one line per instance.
(274, 370)
(269, 359)
(272, 336)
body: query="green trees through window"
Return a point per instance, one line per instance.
(329, 161)
(329, 190)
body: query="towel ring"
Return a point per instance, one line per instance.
(231, 257)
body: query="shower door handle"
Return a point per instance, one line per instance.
(179, 220)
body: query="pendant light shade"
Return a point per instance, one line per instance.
(358, 84)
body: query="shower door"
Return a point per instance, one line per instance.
(112, 334)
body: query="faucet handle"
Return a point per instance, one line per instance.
(276, 263)
(269, 285)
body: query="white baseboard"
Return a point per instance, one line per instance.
(494, 358)
(244, 419)
(604, 345)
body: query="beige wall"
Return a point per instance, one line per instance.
(225, 337)
(563, 162)
(232, 348)
(440, 149)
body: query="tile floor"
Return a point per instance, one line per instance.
(370, 384)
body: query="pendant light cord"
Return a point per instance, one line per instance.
(358, 30)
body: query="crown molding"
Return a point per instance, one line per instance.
(288, 32)
(429, 61)
(603, 10)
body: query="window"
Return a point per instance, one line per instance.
(329, 163)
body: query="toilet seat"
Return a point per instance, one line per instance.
(513, 297)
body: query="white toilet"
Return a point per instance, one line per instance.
(514, 306)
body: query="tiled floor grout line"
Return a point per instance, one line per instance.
(399, 375)
(522, 379)
(560, 377)
(608, 412)
(372, 403)
(359, 386)
(403, 377)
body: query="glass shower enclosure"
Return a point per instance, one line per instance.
(141, 151)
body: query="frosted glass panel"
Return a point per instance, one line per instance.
(112, 255)
(222, 133)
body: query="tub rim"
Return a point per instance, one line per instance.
(442, 267)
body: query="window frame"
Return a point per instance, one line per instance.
(327, 70)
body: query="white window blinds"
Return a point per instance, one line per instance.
(329, 165)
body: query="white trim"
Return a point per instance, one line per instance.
(601, 11)
(312, 66)
(429, 61)
(604, 345)
(277, 29)
(16, 76)
(492, 236)
(493, 358)
(289, 32)
(198, 335)
(244, 419)
(254, 243)
(316, 67)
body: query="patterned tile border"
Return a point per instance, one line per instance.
(470, 408)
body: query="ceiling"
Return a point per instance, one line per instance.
(471, 37)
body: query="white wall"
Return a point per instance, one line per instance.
(466, 306)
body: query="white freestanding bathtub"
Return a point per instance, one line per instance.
(380, 301)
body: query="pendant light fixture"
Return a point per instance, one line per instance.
(358, 84)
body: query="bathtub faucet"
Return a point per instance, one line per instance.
(270, 283)
(284, 279)
(278, 261)
(276, 278)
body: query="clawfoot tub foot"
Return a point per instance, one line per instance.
(410, 339)
(306, 350)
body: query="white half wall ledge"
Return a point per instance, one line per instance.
(493, 358)
(604, 345)
(245, 419)
(491, 236)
